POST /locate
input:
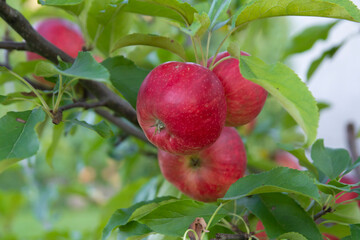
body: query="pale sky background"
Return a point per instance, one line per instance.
(336, 81)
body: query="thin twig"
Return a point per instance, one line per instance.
(324, 211)
(41, 46)
(85, 105)
(125, 126)
(351, 141)
(225, 236)
(10, 45)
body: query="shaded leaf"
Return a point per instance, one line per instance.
(332, 162)
(277, 180)
(281, 214)
(126, 77)
(85, 67)
(287, 88)
(355, 231)
(72, 6)
(123, 216)
(153, 41)
(257, 9)
(292, 236)
(174, 218)
(106, 23)
(101, 128)
(308, 37)
(304, 161)
(172, 9)
(18, 138)
(345, 213)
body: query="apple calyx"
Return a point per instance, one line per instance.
(195, 162)
(159, 125)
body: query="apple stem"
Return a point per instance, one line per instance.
(218, 62)
(195, 49)
(212, 218)
(207, 47)
(190, 230)
(202, 52)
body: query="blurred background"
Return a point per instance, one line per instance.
(91, 176)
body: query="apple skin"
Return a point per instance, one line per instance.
(63, 34)
(207, 176)
(285, 159)
(181, 107)
(244, 98)
(350, 195)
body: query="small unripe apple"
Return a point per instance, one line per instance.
(207, 175)
(181, 107)
(244, 98)
(63, 34)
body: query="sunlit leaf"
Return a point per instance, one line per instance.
(72, 6)
(217, 8)
(288, 89)
(101, 128)
(84, 67)
(256, 9)
(153, 41)
(277, 180)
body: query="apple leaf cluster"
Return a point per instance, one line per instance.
(143, 72)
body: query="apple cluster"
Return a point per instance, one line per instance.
(189, 112)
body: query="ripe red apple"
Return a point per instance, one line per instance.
(207, 175)
(350, 195)
(181, 107)
(63, 34)
(286, 159)
(244, 98)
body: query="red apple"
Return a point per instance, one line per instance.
(351, 195)
(244, 98)
(261, 235)
(329, 237)
(286, 159)
(63, 34)
(207, 175)
(181, 107)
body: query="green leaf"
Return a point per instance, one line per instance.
(345, 213)
(2, 98)
(56, 136)
(25, 68)
(132, 229)
(304, 161)
(84, 67)
(355, 231)
(281, 214)
(281, 82)
(174, 218)
(292, 236)
(308, 37)
(218, 7)
(276, 180)
(123, 216)
(101, 128)
(198, 27)
(16, 97)
(72, 6)
(316, 63)
(172, 9)
(257, 9)
(332, 162)
(126, 77)
(106, 23)
(153, 41)
(18, 139)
